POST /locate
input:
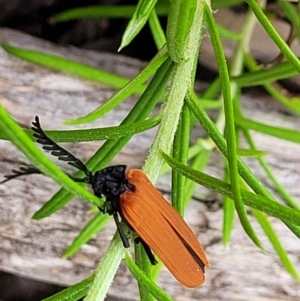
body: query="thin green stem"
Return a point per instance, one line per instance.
(274, 35)
(220, 142)
(230, 128)
(277, 245)
(106, 271)
(181, 80)
(285, 195)
(156, 30)
(127, 90)
(180, 152)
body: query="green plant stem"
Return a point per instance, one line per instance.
(139, 18)
(281, 44)
(219, 140)
(274, 239)
(25, 144)
(230, 128)
(170, 113)
(183, 75)
(70, 67)
(106, 271)
(139, 274)
(236, 68)
(74, 292)
(106, 133)
(275, 131)
(180, 152)
(228, 214)
(88, 231)
(128, 89)
(156, 30)
(111, 147)
(276, 92)
(281, 190)
(261, 203)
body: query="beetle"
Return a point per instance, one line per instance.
(131, 196)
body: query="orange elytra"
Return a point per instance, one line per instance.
(161, 227)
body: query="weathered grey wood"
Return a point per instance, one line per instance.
(34, 248)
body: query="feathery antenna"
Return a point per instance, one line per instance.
(57, 150)
(22, 171)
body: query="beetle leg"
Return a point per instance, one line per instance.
(120, 230)
(147, 250)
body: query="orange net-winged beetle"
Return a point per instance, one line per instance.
(131, 196)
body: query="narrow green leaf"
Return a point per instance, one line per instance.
(274, 35)
(228, 34)
(70, 67)
(210, 103)
(155, 271)
(141, 277)
(281, 71)
(218, 4)
(74, 292)
(106, 271)
(137, 21)
(125, 91)
(102, 11)
(142, 262)
(292, 103)
(220, 142)
(294, 228)
(279, 187)
(199, 163)
(291, 13)
(180, 21)
(230, 127)
(56, 202)
(286, 134)
(182, 79)
(25, 144)
(90, 229)
(251, 153)
(274, 239)
(180, 152)
(250, 199)
(111, 147)
(157, 30)
(228, 219)
(113, 132)
(228, 215)
(96, 11)
(194, 150)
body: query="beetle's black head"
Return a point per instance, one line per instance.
(110, 182)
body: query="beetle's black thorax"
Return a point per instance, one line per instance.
(111, 182)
